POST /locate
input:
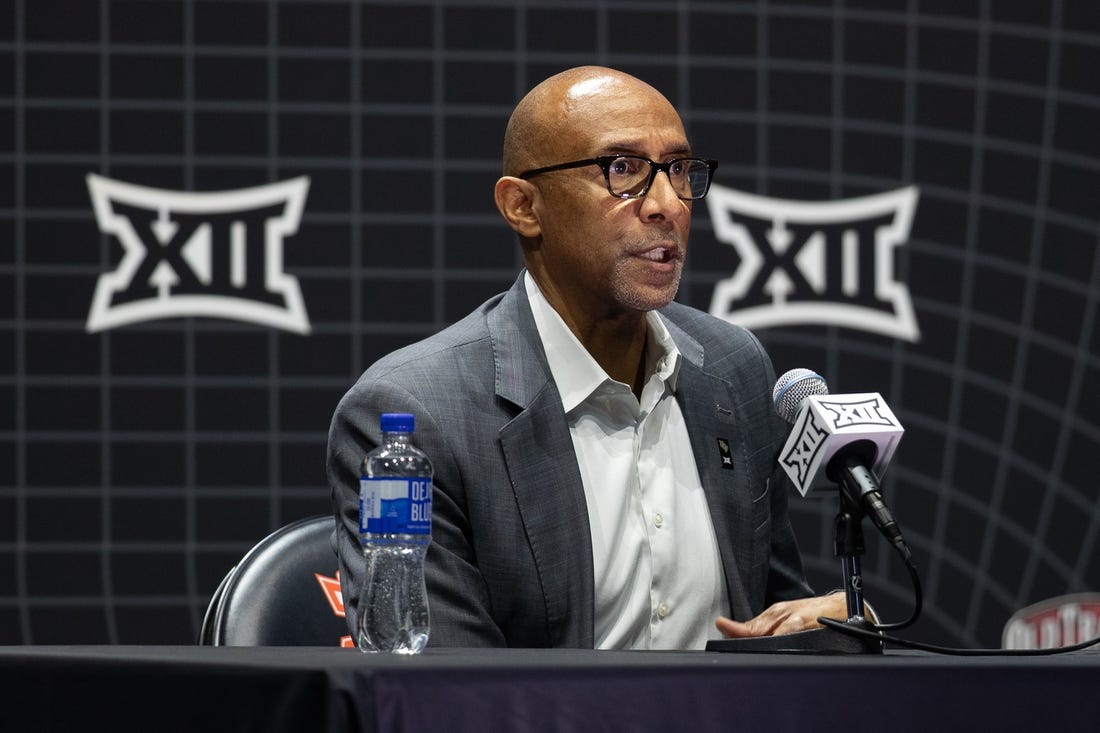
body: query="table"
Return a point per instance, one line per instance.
(155, 688)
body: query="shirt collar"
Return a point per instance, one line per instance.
(575, 372)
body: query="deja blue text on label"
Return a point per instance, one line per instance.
(395, 505)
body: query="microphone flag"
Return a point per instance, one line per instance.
(828, 423)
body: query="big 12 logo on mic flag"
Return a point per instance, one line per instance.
(217, 254)
(815, 262)
(827, 423)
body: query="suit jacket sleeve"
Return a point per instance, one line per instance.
(460, 607)
(510, 561)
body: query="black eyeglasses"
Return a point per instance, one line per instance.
(630, 176)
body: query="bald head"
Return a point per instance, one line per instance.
(553, 119)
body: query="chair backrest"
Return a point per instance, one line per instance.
(283, 592)
(206, 633)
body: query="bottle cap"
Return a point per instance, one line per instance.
(397, 422)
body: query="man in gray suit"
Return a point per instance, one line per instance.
(605, 458)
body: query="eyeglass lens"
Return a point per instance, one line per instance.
(628, 176)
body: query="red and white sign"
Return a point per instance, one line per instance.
(1054, 623)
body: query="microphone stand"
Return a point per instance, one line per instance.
(848, 546)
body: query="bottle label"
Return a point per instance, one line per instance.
(395, 505)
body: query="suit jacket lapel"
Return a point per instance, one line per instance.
(542, 466)
(711, 414)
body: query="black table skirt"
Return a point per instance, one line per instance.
(151, 688)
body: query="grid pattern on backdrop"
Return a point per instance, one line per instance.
(136, 465)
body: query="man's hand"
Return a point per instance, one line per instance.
(787, 617)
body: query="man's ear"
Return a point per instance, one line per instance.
(515, 201)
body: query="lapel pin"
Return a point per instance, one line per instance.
(724, 453)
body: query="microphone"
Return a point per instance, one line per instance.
(827, 447)
(845, 439)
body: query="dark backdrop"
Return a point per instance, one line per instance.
(139, 461)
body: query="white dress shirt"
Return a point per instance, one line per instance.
(658, 574)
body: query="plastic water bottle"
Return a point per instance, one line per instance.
(395, 525)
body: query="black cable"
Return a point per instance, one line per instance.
(866, 633)
(892, 533)
(877, 634)
(918, 594)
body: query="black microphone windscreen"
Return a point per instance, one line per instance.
(794, 387)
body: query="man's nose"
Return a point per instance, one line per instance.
(661, 198)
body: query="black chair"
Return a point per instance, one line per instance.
(283, 592)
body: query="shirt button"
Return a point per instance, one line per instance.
(662, 610)
(658, 519)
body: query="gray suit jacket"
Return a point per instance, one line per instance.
(511, 559)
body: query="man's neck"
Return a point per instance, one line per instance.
(614, 336)
(617, 345)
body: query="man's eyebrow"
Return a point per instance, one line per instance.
(636, 149)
